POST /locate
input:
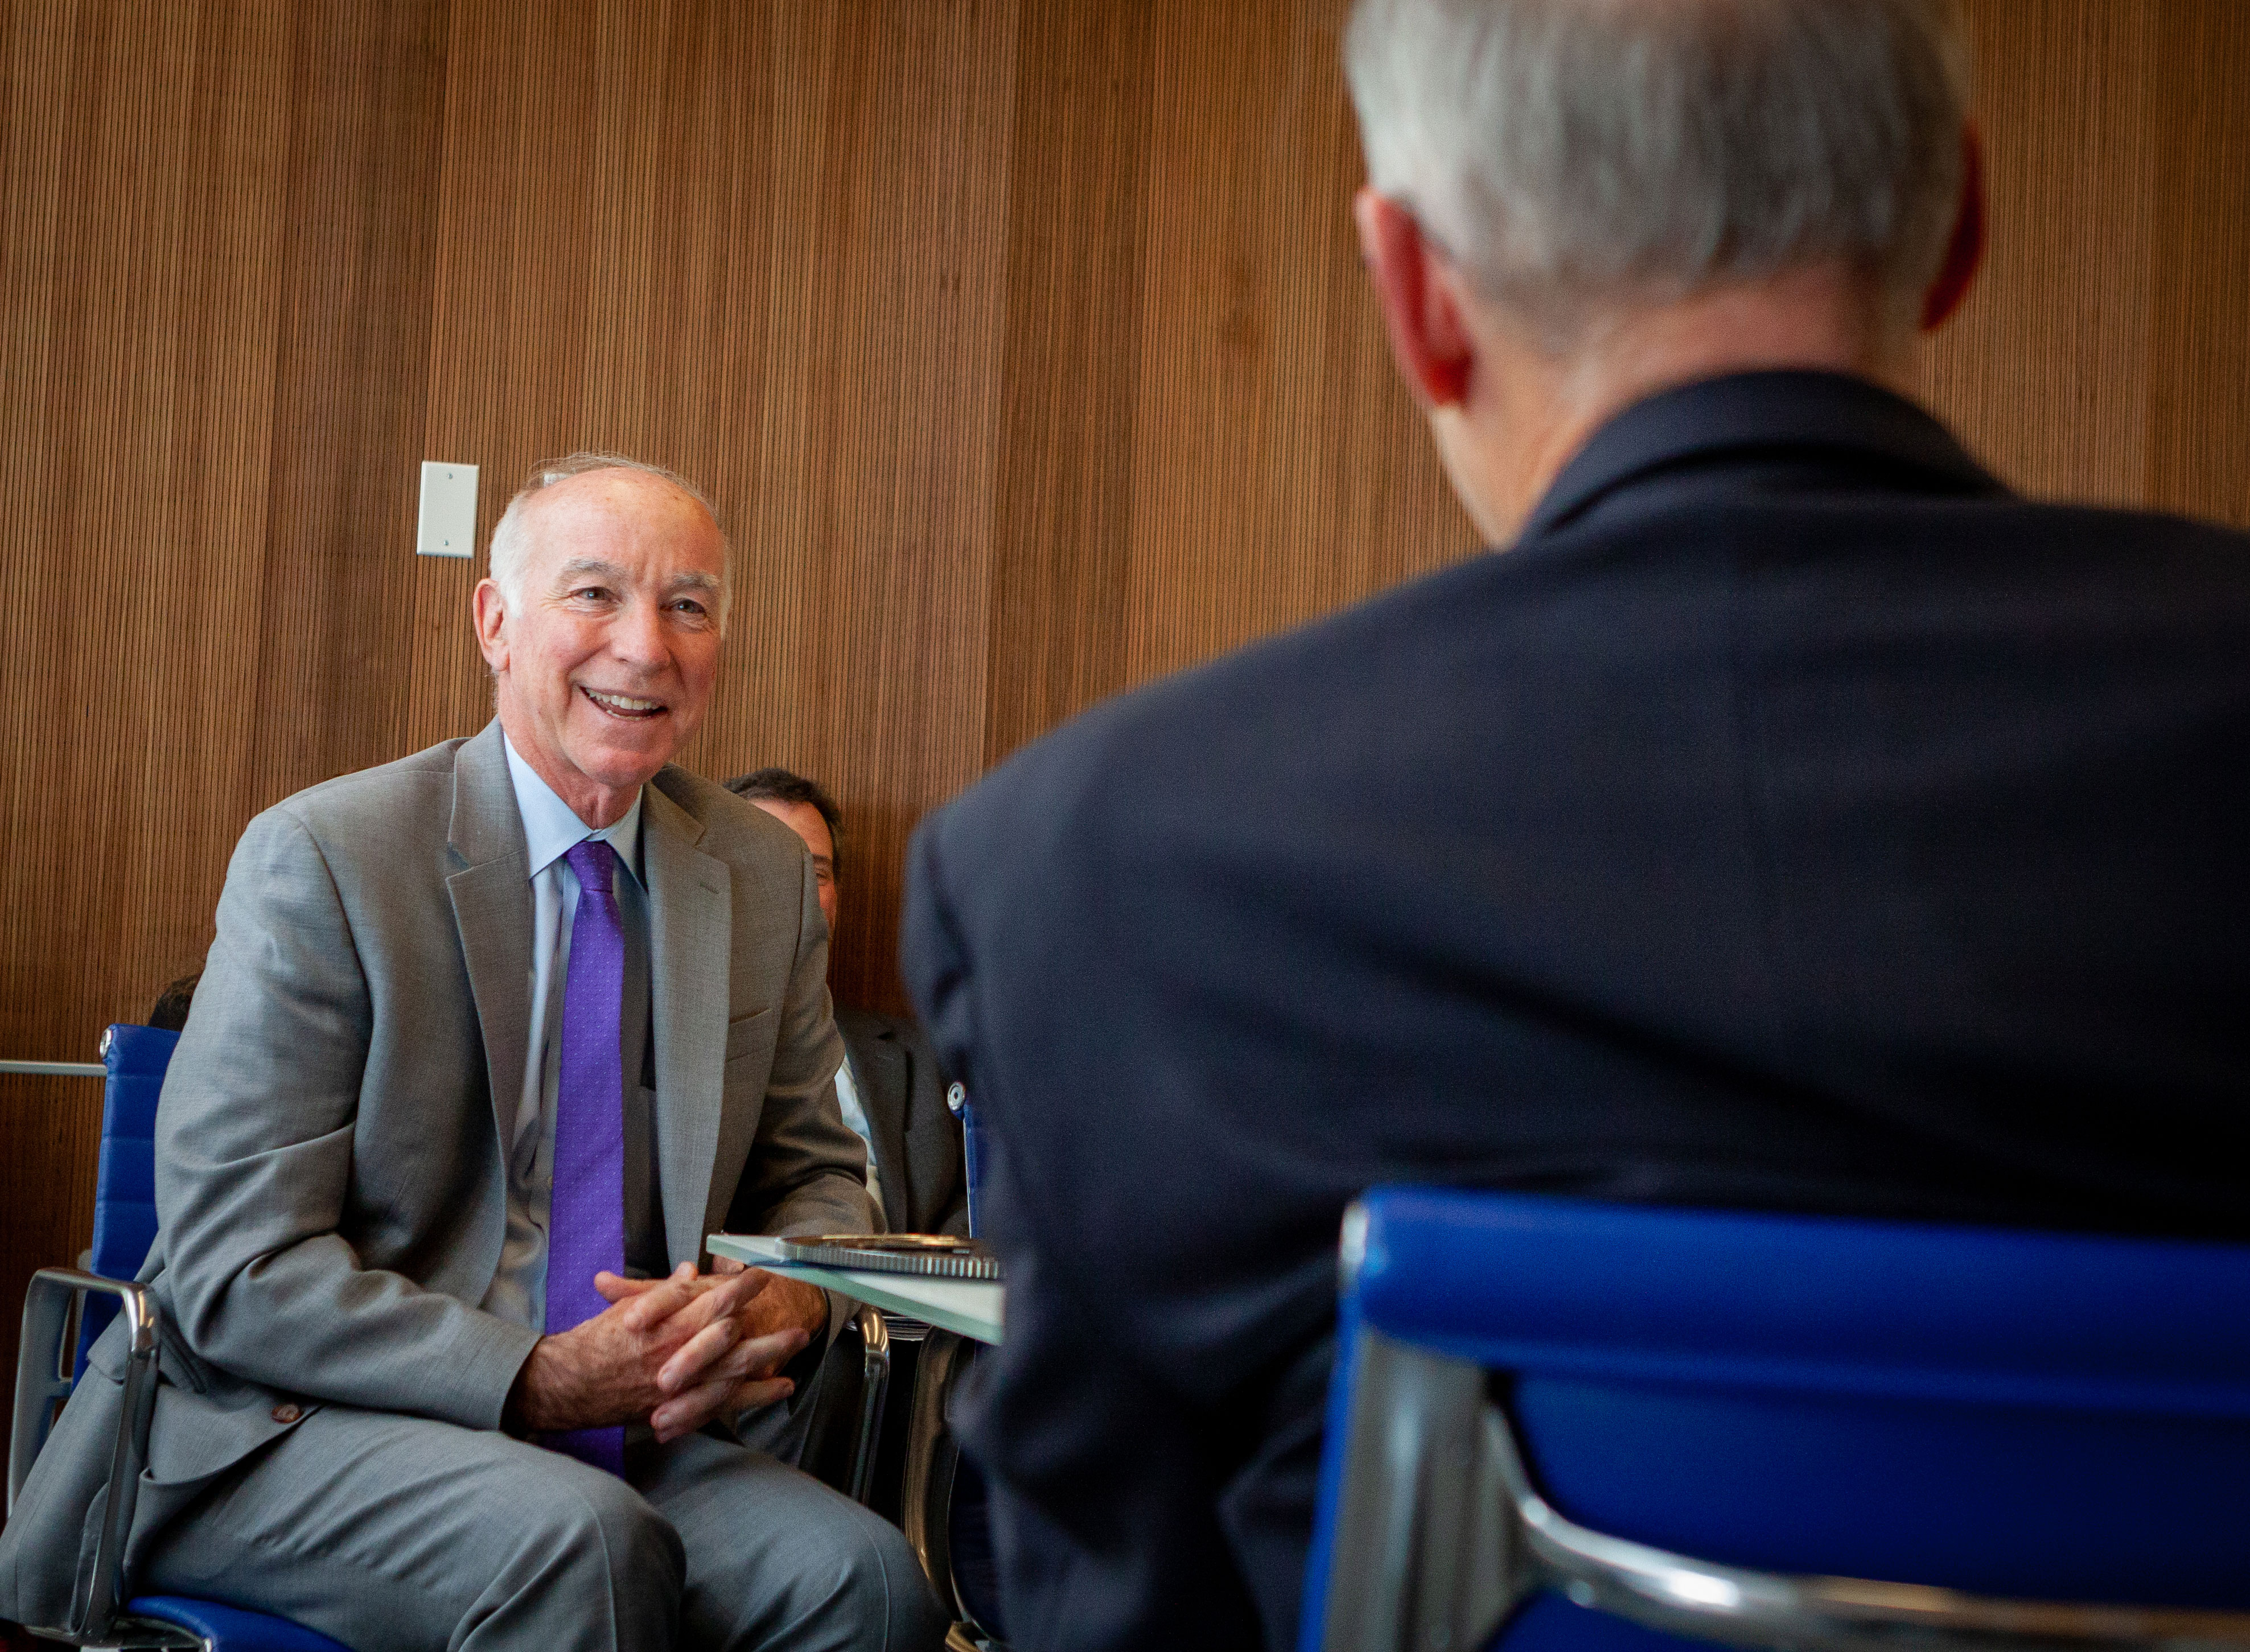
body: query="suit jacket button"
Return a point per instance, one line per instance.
(286, 1413)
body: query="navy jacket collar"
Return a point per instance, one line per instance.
(1771, 413)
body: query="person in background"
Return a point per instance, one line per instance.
(488, 1040)
(171, 1012)
(890, 1088)
(1789, 817)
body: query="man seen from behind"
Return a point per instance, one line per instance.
(1784, 815)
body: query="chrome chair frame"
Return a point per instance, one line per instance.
(43, 1383)
(1440, 1537)
(926, 1497)
(928, 1490)
(874, 1394)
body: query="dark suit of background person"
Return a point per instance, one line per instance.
(914, 1138)
(1792, 818)
(332, 1437)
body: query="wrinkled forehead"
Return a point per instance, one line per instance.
(626, 518)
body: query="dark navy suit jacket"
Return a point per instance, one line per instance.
(1793, 819)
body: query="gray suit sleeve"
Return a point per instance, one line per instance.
(254, 1154)
(807, 1169)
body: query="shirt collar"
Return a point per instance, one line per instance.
(552, 829)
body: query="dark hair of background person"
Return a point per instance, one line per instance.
(784, 786)
(171, 1010)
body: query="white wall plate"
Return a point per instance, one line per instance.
(447, 526)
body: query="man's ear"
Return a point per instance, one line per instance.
(1965, 254)
(1418, 289)
(491, 611)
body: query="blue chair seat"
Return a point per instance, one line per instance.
(229, 1629)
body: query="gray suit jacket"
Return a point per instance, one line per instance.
(917, 1139)
(329, 1145)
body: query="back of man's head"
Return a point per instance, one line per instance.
(1576, 157)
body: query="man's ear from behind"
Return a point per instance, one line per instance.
(1964, 253)
(1417, 286)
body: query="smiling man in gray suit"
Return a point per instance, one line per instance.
(488, 1040)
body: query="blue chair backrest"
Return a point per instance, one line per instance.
(2053, 1416)
(124, 1182)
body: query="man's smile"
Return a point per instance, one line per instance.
(624, 706)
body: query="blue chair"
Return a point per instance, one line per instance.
(51, 1358)
(1588, 1428)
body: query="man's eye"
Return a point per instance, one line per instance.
(590, 594)
(689, 605)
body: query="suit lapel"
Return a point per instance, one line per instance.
(690, 943)
(879, 1064)
(492, 909)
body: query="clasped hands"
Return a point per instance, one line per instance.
(677, 1352)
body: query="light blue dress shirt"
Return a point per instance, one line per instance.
(848, 1103)
(551, 829)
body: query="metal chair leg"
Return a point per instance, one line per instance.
(874, 1394)
(48, 1312)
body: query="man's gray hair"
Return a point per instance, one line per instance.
(1578, 156)
(509, 544)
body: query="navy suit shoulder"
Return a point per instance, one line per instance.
(1794, 819)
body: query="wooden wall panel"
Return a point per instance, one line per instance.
(2105, 352)
(865, 541)
(366, 84)
(2198, 321)
(140, 273)
(1203, 441)
(1062, 533)
(1280, 470)
(1022, 343)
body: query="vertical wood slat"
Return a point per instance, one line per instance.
(1022, 343)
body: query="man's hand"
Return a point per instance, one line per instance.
(774, 1315)
(673, 1350)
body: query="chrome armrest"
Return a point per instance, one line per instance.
(1439, 1536)
(874, 1392)
(44, 1359)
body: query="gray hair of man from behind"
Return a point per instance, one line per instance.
(509, 544)
(1579, 157)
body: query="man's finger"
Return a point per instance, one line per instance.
(762, 1356)
(686, 1412)
(653, 1306)
(758, 1391)
(687, 1363)
(723, 1297)
(710, 1300)
(715, 1353)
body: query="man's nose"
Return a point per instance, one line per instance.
(637, 637)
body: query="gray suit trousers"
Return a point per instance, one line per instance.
(402, 1534)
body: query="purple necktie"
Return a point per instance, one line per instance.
(586, 1213)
